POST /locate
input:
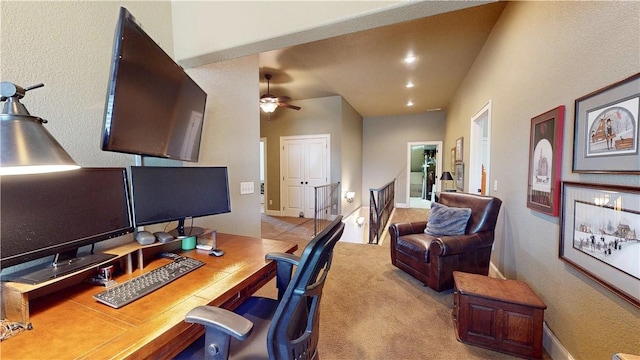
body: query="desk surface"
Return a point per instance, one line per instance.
(71, 324)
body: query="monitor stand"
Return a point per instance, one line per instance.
(182, 232)
(48, 271)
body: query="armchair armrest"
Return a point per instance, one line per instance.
(401, 229)
(284, 268)
(222, 320)
(452, 245)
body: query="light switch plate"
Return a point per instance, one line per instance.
(246, 188)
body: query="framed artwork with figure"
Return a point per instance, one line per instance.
(606, 129)
(545, 162)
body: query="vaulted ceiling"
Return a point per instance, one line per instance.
(367, 68)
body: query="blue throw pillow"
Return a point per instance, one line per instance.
(444, 220)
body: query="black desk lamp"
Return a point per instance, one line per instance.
(446, 176)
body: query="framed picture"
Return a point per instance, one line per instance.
(459, 149)
(600, 235)
(453, 161)
(606, 129)
(545, 162)
(459, 176)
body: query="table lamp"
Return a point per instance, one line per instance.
(446, 176)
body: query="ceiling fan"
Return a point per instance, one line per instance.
(269, 103)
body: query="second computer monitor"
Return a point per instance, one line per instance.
(165, 194)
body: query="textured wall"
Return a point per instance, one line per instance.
(385, 148)
(231, 137)
(67, 46)
(351, 161)
(541, 55)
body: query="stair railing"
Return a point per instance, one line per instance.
(381, 203)
(326, 205)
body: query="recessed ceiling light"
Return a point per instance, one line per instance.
(410, 59)
(410, 103)
(409, 84)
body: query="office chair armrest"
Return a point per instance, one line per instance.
(220, 320)
(284, 268)
(283, 258)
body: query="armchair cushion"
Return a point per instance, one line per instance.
(447, 221)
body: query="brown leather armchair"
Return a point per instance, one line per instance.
(431, 259)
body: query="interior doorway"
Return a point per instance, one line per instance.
(304, 163)
(424, 166)
(480, 150)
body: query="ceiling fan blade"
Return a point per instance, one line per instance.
(284, 99)
(289, 106)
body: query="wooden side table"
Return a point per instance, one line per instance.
(501, 315)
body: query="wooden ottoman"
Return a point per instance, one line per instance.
(501, 315)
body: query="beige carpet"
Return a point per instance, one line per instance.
(371, 309)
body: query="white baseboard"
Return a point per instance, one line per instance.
(552, 345)
(550, 342)
(273, 212)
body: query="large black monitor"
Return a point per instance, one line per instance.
(57, 213)
(152, 106)
(165, 194)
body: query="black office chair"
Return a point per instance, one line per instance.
(287, 328)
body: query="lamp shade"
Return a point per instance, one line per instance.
(26, 146)
(446, 176)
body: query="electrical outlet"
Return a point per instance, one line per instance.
(246, 188)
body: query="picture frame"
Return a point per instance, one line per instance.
(600, 225)
(606, 129)
(459, 176)
(453, 161)
(545, 161)
(459, 149)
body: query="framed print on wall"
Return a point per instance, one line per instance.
(453, 161)
(459, 176)
(459, 149)
(606, 129)
(545, 162)
(600, 229)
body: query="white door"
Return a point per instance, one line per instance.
(304, 164)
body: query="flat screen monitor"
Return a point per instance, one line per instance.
(57, 213)
(165, 194)
(153, 107)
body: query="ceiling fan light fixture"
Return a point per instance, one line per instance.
(268, 106)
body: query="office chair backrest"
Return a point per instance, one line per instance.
(294, 330)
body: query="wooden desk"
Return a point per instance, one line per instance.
(71, 324)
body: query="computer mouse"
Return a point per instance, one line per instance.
(163, 237)
(216, 252)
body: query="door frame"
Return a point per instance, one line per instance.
(438, 145)
(480, 149)
(283, 139)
